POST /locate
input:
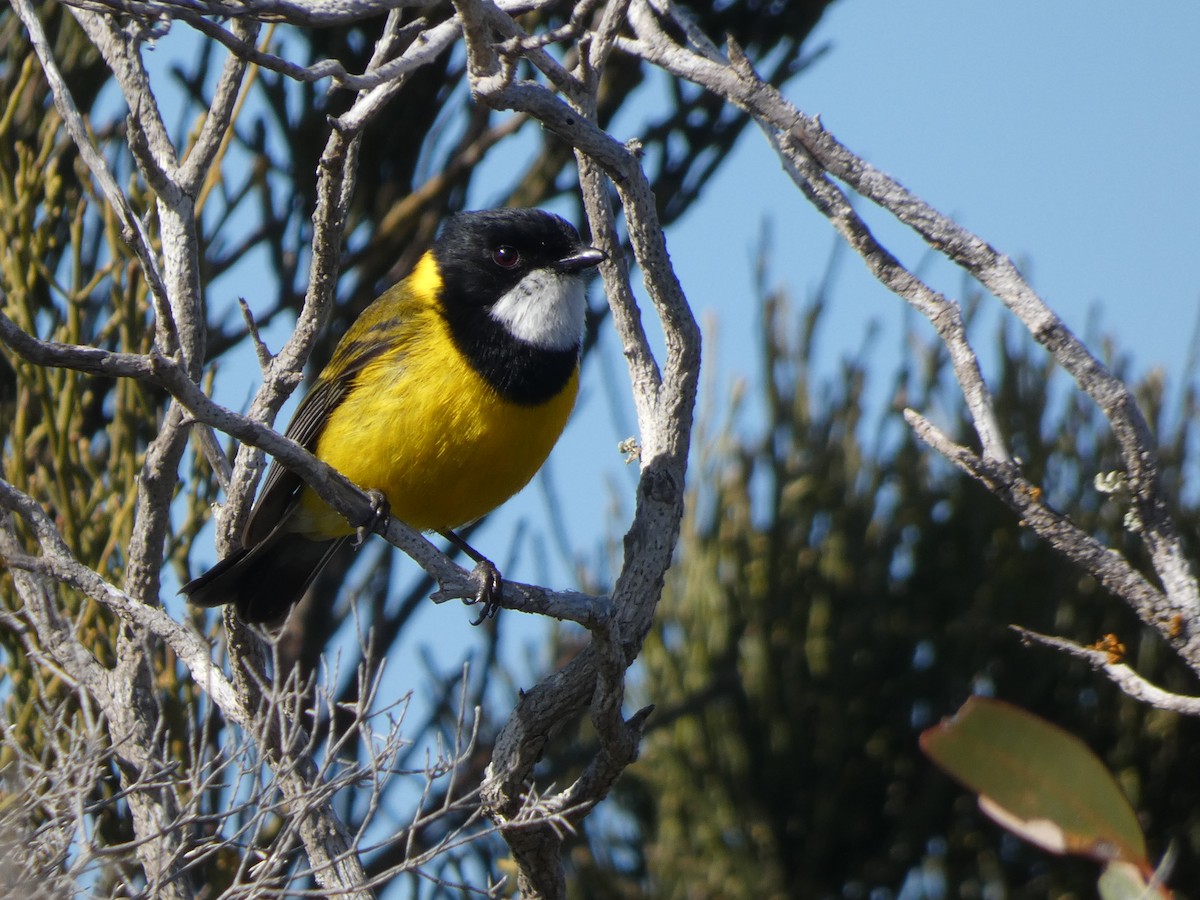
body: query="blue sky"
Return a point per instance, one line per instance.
(1066, 135)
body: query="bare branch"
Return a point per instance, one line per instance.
(664, 406)
(155, 811)
(311, 13)
(1122, 676)
(58, 561)
(1028, 501)
(217, 123)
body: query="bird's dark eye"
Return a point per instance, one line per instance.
(506, 257)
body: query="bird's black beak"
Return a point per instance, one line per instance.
(584, 258)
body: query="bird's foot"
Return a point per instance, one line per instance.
(488, 584)
(380, 510)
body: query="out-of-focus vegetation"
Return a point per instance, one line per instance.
(839, 588)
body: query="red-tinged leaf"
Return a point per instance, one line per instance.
(1038, 781)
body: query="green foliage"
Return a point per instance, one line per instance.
(839, 589)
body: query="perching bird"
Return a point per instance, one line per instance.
(445, 396)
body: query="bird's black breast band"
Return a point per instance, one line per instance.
(520, 372)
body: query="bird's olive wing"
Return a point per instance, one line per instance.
(282, 485)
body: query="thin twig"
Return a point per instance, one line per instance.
(1124, 677)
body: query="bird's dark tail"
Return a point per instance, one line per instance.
(264, 581)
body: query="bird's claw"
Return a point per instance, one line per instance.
(488, 585)
(380, 510)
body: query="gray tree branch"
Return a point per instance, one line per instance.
(664, 402)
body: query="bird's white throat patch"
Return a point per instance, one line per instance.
(545, 308)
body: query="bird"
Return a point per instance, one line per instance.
(443, 398)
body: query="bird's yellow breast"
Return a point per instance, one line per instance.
(423, 427)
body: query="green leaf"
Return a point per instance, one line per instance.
(1037, 780)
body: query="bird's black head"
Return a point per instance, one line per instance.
(513, 296)
(482, 255)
